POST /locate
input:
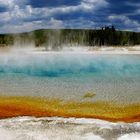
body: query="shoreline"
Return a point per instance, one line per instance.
(48, 107)
(90, 50)
(74, 50)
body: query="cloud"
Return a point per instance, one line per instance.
(93, 4)
(12, 3)
(26, 15)
(133, 4)
(125, 21)
(29, 26)
(16, 11)
(84, 6)
(50, 23)
(21, 16)
(79, 23)
(138, 11)
(7, 3)
(5, 17)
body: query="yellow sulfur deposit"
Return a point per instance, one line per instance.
(43, 107)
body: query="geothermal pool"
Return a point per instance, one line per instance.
(71, 75)
(64, 89)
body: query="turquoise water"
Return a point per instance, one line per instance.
(55, 65)
(71, 75)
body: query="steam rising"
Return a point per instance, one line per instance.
(31, 62)
(101, 72)
(69, 74)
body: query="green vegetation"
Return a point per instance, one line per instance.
(6, 40)
(107, 36)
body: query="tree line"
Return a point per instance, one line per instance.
(106, 36)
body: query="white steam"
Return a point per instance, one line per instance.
(31, 62)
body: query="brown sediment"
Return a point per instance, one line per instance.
(89, 95)
(46, 107)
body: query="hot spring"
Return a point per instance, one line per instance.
(70, 75)
(47, 95)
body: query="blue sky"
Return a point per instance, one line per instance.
(27, 15)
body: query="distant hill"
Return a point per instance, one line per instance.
(107, 36)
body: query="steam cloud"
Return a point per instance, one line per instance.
(31, 62)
